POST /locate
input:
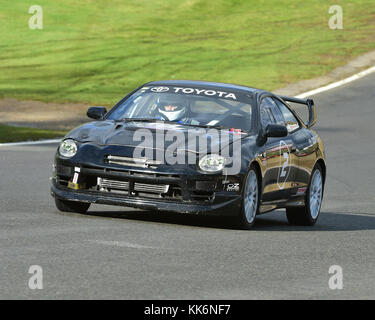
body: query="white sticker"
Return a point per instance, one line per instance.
(159, 89)
(284, 165)
(233, 187)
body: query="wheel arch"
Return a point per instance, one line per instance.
(322, 164)
(253, 163)
(257, 167)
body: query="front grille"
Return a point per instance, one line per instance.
(113, 184)
(153, 188)
(108, 185)
(132, 162)
(140, 183)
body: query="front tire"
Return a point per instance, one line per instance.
(250, 200)
(71, 206)
(308, 215)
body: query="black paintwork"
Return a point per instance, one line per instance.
(199, 192)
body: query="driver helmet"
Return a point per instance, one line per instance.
(172, 108)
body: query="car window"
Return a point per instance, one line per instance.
(270, 113)
(265, 117)
(191, 106)
(213, 113)
(291, 121)
(207, 106)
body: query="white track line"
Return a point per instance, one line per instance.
(122, 244)
(337, 83)
(330, 86)
(26, 143)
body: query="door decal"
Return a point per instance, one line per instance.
(284, 167)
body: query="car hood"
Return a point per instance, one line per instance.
(108, 132)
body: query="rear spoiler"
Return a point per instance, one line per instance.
(309, 103)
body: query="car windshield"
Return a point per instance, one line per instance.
(189, 106)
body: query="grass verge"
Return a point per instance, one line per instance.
(15, 134)
(96, 51)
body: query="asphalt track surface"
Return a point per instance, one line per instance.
(119, 253)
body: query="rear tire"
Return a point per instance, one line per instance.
(71, 206)
(308, 214)
(250, 200)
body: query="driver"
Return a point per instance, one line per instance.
(173, 109)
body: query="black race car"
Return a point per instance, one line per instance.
(195, 147)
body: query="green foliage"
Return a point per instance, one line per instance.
(13, 134)
(96, 51)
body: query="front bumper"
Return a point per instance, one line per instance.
(187, 191)
(227, 208)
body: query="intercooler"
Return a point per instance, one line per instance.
(109, 185)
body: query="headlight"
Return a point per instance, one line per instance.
(212, 163)
(68, 148)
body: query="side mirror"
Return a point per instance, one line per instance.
(96, 112)
(275, 131)
(271, 131)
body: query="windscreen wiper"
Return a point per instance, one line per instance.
(168, 121)
(140, 120)
(176, 122)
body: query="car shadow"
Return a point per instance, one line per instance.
(274, 221)
(168, 218)
(328, 221)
